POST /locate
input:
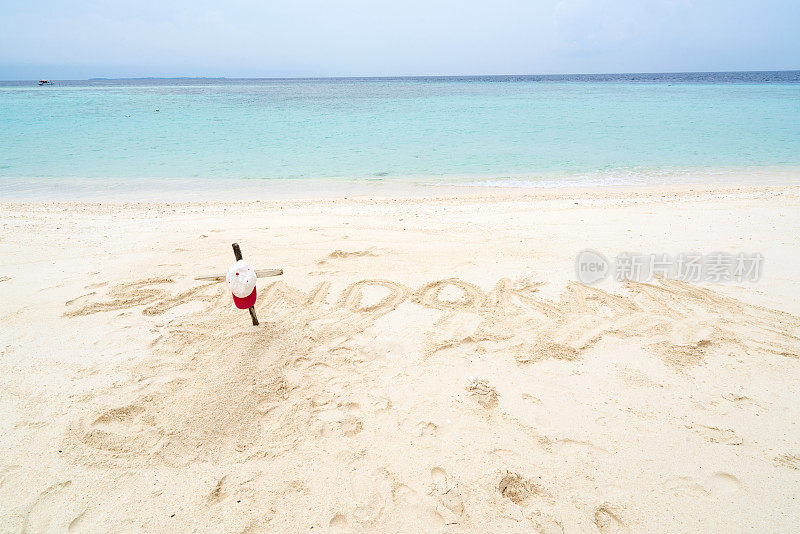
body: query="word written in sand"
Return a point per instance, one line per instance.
(681, 322)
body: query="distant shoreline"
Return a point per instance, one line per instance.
(792, 75)
(233, 189)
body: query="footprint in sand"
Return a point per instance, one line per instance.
(530, 352)
(344, 419)
(719, 483)
(351, 426)
(530, 399)
(403, 495)
(547, 525)
(482, 392)
(791, 461)
(338, 523)
(426, 429)
(518, 488)
(128, 434)
(713, 434)
(218, 494)
(439, 477)
(448, 495)
(607, 521)
(119, 430)
(47, 513)
(452, 501)
(369, 503)
(382, 404)
(723, 484)
(417, 509)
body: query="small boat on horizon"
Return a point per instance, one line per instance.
(45, 82)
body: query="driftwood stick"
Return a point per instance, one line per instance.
(260, 273)
(238, 253)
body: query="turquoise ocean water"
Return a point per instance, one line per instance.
(474, 130)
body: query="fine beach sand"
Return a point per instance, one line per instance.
(425, 364)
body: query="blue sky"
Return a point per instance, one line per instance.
(67, 39)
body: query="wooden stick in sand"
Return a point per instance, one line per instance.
(238, 253)
(261, 273)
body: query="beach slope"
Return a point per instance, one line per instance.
(424, 364)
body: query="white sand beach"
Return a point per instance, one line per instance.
(425, 364)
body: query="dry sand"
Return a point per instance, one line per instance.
(424, 365)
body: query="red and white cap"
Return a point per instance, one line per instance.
(242, 280)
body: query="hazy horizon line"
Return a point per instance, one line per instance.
(384, 77)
